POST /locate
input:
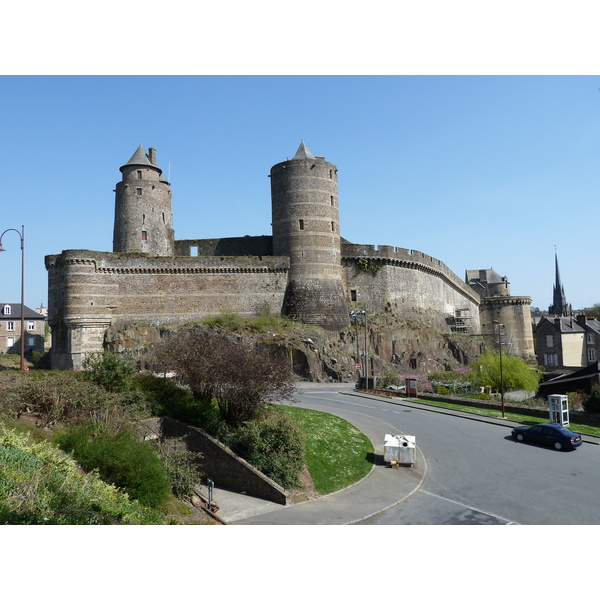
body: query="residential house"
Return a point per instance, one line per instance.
(10, 329)
(567, 343)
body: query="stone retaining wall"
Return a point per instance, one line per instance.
(223, 466)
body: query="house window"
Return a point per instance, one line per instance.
(31, 341)
(353, 295)
(144, 235)
(30, 325)
(591, 355)
(138, 191)
(301, 224)
(550, 360)
(10, 326)
(590, 338)
(10, 342)
(550, 341)
(139, 174)
(6, 309)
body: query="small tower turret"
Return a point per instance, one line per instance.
(306, 227)
(143, 209)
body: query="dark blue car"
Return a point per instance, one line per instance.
(548, 434)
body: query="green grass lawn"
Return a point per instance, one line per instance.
(519, 418)
(337, 453)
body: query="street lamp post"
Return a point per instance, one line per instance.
(357, 317)
(499, 325)
(22, 236)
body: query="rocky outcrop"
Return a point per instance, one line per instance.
(397, 347)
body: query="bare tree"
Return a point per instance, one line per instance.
(238, 374)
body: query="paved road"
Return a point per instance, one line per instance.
(476, 474)
(468, 472)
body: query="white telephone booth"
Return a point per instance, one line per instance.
(558, 405)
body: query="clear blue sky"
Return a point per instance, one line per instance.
(477, 171)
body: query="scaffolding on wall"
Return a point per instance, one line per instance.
(461, 321)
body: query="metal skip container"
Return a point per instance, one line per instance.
(399, 449)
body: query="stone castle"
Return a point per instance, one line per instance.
(304, 270)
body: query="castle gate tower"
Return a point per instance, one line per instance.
(143, 211)
(306, 227)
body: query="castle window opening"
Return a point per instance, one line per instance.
(138, 191)
(332, 226)
(139, 174)
(143, 219)
(353, 296)
(332, 201)
(144, 235)
(413, 363)
(301, 224)
(194, 251)
(330, 174)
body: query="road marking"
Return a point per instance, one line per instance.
(484, 512)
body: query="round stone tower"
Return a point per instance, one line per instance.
(143, 212)
(306, 228)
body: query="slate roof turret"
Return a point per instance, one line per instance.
(302, 152)
(140, 158)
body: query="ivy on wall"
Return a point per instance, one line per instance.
(369, 266)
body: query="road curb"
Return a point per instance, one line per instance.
(586, 438)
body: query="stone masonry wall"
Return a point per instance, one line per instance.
(99, 288)
(406, 280)
(225, 468)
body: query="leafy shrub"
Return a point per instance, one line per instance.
(67, 398)
(120, 459)
(592, 403)
(441, 390)
(40, 485)
(274, 445)
(111, 371)
(165, 398)
(182, 467)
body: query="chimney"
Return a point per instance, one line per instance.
(558, 323)
(152, 155)
(581, 319)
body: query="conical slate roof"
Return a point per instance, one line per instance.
(139, 158)
(303, 152)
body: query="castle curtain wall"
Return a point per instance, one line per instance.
(89, 291)
(405, 282)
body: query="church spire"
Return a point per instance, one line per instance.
(559, 307)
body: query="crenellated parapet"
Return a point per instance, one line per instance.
(403, 258)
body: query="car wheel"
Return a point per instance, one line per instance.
(520, 437)
(558, 445)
